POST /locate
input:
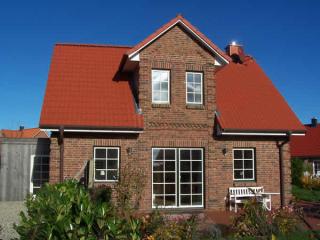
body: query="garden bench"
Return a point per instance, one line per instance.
(241, 194)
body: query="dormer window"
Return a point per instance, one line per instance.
(194, 88)
(161, 86)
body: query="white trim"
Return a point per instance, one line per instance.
(243, 159)
(106, 159)
(91, 131)
(201, 84)
(190, 30)
(260, 134)
(168, 73)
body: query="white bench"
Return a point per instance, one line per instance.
(240, 194)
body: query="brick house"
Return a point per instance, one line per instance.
(196, 119)
(307, 148)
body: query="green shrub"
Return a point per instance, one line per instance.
(296, 171)
(101, 194)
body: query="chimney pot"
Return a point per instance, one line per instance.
(314, 122)
(236, 52)
(21, 128)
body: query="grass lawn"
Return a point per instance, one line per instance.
(306, 194)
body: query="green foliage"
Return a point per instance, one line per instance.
(306, 194)
(256, 222)
(296, 171)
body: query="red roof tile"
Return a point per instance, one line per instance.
(25, 133)
(308, 145)
(172, 23)
(85, 90)
(247, 100)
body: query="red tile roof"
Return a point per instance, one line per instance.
(25, 133)
(85, 90)
(172, 23)
(308, 145)
(248, 101)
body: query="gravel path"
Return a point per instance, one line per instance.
(9, 214)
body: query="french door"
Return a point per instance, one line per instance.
(177, 177)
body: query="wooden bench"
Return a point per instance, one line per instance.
(240, 194)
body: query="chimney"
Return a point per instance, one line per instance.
(21, 128)
(314, 122)
(236, 52)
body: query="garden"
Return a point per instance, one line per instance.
(69, 211)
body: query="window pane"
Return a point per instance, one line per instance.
(189, 77)
(158, 154)
(112, 153)
(248, 174)
(196, 200)
(196, 155)
(45, 168)
(156, 96)
(164, 86)
(112, 175)
(197, 166)
(185, 188)
(164, 76)
(185, 177)
(170, 178)
(100, 164)
(100, 153)
(185, 155)
(112, 164)
(197, 98)
(170, 200)
(197, 78)
(170, 188)
(155, 86)
(170, 166)
(238, 174)
(190, 97)
(158, 201)
(100, 175)
(45, 160)
(190, 87)
(185, 200)
(248, 154)
(37, 161)
(170, 154)
(185, 165)
(248, 164)
(164, 96)
(198, 88)
(238, 164)
(196, 188)
(158, 188)
(158, 177)
(237, 154)
(197, 177)
(158, 165)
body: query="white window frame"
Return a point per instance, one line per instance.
(201, 89)
(106, 159)
(243, 159)
(314, 163)
(32, 157)
(177, 175)
(202, 183)
(160, 102)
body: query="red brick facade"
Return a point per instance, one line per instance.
(179, 125)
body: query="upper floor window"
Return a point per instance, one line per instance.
(243, 164)
(194, 83)
(106, 163)
(160, 86)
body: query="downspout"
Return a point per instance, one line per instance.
(281, 166)
(61, 144)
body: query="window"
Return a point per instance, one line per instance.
(194, 88)
(106, 163)
(160, 86)
(316, 168)
(177, 177)
(39, 172)
(243, 164)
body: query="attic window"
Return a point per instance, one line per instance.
(160, 86)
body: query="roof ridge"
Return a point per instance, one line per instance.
(91, 45)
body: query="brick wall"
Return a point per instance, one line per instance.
(178, 125)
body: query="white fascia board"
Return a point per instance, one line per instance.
(167, 29)
(92, 131)
(259, 134)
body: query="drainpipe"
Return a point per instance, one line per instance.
(281, 165)
(61, 144)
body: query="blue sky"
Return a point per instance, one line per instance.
(283, 36)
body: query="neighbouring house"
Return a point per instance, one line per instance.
(307, 147)
(24, 162)
(196, 119)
